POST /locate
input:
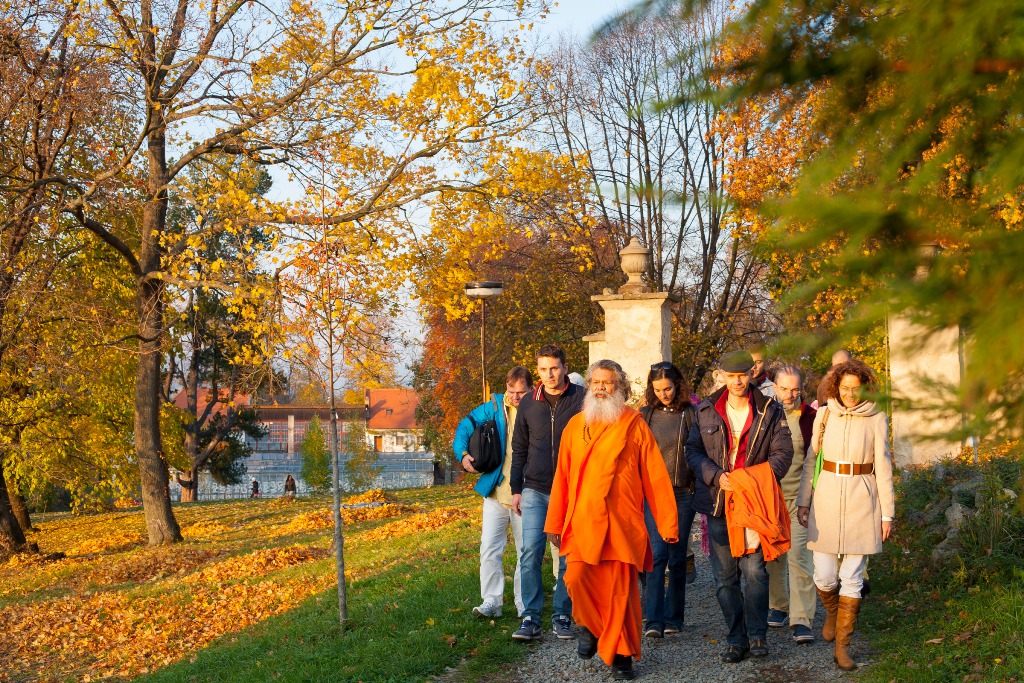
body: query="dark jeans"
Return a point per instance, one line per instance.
(746, 610)
(665, 608)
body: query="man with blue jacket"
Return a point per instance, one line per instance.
(495, 487)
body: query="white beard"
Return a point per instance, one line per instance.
(603, 410)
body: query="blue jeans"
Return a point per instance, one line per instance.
(660, 608)
(745, 611)
(535, 509)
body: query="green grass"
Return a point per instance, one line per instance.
(409, 605)
(409, 622)
(962, 621)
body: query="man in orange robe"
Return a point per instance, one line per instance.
(608, 465)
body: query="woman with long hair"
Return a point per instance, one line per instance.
(849, 511)
(669, 413)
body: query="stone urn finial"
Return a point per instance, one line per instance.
(634, 264)
(927, 253)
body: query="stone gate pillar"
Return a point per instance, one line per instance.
(917, 358)
(638, 322)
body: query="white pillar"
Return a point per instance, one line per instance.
(638, 322)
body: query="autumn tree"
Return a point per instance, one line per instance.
(627, 109)
(392, 88)
(922, 141)
(218, 352)
(533, 233)
(50, 105)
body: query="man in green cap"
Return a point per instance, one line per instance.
(736, 427)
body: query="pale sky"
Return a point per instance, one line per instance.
(580, 17)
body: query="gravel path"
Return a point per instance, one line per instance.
(694, 654)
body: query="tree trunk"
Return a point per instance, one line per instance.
(20, 508)
(12, 539)
(190, 486)
(153, 473)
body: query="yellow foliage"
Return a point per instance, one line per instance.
(126, 612)
(373, 496)
(427, 521)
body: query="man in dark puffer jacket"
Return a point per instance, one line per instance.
(737, 426)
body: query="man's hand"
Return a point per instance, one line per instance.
(886, 530)
(517, 498)
(555, 540)
(723, 482)
(467, 463)
(803, 514)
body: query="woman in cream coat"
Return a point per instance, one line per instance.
(850, 512)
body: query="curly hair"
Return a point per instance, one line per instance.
(673, 374)
(851, 367)
(621, 381)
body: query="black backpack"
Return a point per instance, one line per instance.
(485, 447)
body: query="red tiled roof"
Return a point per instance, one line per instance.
(203, 396)
(400, 401)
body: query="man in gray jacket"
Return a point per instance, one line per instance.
(736, 427)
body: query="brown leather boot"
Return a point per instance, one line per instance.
(830, 600)
(846, 621)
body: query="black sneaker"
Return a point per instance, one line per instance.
(622, 668)
(586, 647)
(562, 627)
(758, 648)
(734, 654)
(777, 618)
(528, 630)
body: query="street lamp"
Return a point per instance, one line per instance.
(483, 291)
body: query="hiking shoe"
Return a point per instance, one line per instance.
(562, 627)
(777, 618)
(758, 648)
(622, 668)
(654, 633)
(734, 654)
(671, 628)
(586, 647)
(802, 634)
(528, 630)
(488, 610)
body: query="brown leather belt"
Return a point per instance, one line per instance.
(847, 469)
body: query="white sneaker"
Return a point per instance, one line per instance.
(488, 609)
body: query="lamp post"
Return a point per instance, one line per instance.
(483, 291)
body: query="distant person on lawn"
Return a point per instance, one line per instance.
(542, 416)
(608, 468)
(496, 489)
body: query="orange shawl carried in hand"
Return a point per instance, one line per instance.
(756, 503)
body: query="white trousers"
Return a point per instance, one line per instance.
(846, 571)
(493, 539)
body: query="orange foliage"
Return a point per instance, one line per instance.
(101, 612)
(117, 634)
(426, 521)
